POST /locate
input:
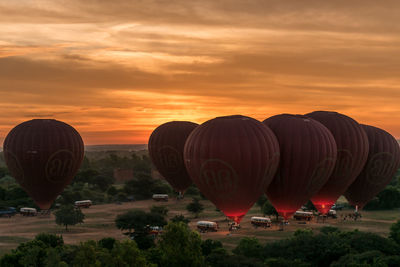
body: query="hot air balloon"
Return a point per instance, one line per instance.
(352, 153)
(43, 156)
(231, 159)
(382, 163)
(308, 155)
(166, 151)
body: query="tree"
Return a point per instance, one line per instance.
(180, 218)
(69, 215)
(162, 210)
(395, 232)
(103, 182)
(3, 172)
(85, 176)
(209, 245)
(195, 207)
(388, 198)
(179, 246)
(249, 247)
(138, 220)
(112, 191)
(261, 200)
(107, 242)
(50, 239)
(268, 209)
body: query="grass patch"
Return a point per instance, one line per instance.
(13, 239)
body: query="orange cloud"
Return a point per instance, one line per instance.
(116, 69)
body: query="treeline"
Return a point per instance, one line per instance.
(389, 198)
(94, 181)
(179, 246)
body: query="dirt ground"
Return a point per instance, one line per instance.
(99, 223)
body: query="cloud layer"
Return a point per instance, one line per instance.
(117, 69)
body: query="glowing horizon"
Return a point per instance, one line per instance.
(115, 71)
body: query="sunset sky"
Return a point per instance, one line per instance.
(116, 69)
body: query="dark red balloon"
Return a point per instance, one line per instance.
(231, 159)
(382, 163)
(166, 151)
(352, 153)
(43, 156)
(308, 155)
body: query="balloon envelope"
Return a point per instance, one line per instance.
(352, 153)
(382, 163)
(43, 156)
(308, 155)
(231, 159)
(166, 145)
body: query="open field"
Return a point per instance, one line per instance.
(99, 223)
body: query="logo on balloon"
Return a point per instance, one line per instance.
(320, 174)
(219, 178)
(379, 168)
(343, 166)
(59, 166)
(170, 159)
(15, 167)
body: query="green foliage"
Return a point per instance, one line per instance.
(195, 207)
(310, 206)
(389, 198)
(249, 247)
(328, 230)
(144, 186)
(368, 258)
(395, 232)
(179, 246)
(162, 210)
(69, 215)
(192, 191)
(3, 172)
(107, 242)
(103, 182)
(268, 209)
(261, 200)
(209, 245)
(138, 220)
(180, 218)
(112, 191)
(50, 240)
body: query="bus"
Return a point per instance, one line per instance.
(260, 222)
(83, 203)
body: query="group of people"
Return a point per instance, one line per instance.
(350, 216)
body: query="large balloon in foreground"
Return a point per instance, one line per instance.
(43, 155)
(352, 153)
(308, 155)
(231, 159)
(382, 163)
(166, 145)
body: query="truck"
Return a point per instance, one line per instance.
(337, 206)
(207, 226)
(303, 215)
(260, 222)
(28, 211)
(332, 214)
(83, 203)
(160, 197)
(7, 212)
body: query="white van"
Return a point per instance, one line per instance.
(261, 221)
(28, 211)
(207, 226)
